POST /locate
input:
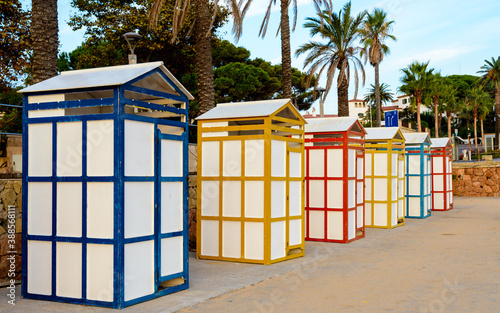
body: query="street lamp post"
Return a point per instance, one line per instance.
(132, 39)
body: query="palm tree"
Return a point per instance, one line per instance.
(415, 79)
(340, 51)
(451, 105)
(384, 94)
(436, 86)
(478, 102)
(376, 30)
(202, 28)
(45, 39)
(491, 74)
(284, 29)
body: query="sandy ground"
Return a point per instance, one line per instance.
(449, 262)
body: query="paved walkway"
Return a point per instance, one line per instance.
(449, 262)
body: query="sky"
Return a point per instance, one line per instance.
(456, 36)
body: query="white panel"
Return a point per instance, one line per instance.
(100, 272)
(414, 185)
(278, 240)
(351, 165)
(172, 255)
(139, 148)
(380, 211)
(214, 124)
(295, 164)
(171, 158)
(278, 198)
(231, 239)
(69, 149)
(394, 188)
(254, 241)
(359, 192)
(401, 189)
(231, 160)
(394, 164)
(437, 184)
(368, 189)
(368, 164)
(100, 210)
(69, 209)
(414, 164)
(209, 238)
(171, 207)
(359, 217)
(351, 193)
(316, 224)
(278, 158)
(381, 164)
(380, 189)
(40, 267)
(210, 158)
(40, 149)
(335, 229)
(368, 214)
(402, 170)
(295, 194)
(139, 271)
(335, 167)
(46, 98)
(316, 194)
(45, 113)
(316, 163)
(210, 198)
(351, 224)
(448, 165)
(139, 209)
(254, 157)
(295, 232)
(360, 167)
(69, 269)
(231, 199)
(100, 147)
(254, 199)
(40, 208)
(401, 208)
(437, 165)
(394, 214)
(414, 207)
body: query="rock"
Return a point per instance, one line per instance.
(488, 190)
(192, 180)
(19, 226)
(18, 186)
(482, 178)
(488, 174)
(4, 266)
(3, 244)
(478, 172)
(495, 188)
(9, 197)
(2, 230)
(467, 177)
(19, 202)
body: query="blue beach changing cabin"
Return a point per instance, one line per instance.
(105, 186)
(418, 175)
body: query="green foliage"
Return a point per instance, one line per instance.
(385, 94)
(12, 119)
(226, 53)
(14, 42)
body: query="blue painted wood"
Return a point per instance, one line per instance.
(118, 101)
(423, 152)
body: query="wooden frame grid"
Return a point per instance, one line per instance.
(272, 128)
(387, 147)
(445, 153)
(344, 141)
(425, 184)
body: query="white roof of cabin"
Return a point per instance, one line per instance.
(245, 109)
(102, 77)
(440, 142)
(416, 138)
(331, 124)
(381, 133)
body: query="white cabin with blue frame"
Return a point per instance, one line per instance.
(105, 193)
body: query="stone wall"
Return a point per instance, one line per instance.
(476, 179)
(10, 235)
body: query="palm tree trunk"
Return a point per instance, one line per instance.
(448, 121)
(436, 116)
(342, 95)
(497, 115)
(44, 34)
(418, 96)
(475, 128)
(204, 57)
(286, 59)
(483, 143)
(377, 96)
